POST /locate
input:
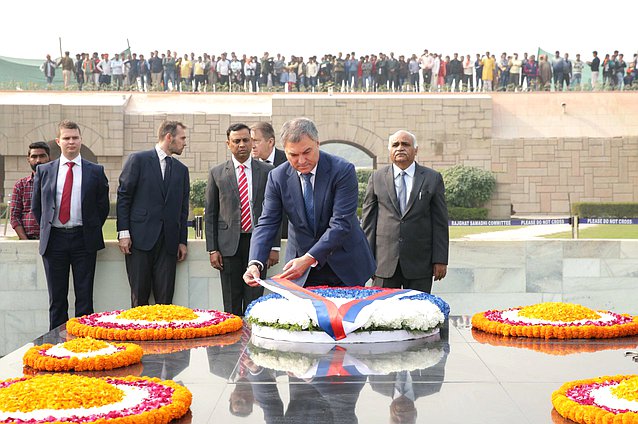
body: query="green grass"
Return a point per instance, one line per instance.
(460, 232)
(606, 231)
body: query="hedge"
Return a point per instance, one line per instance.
(605, 209)
(456, 213)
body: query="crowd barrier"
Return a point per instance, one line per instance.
(573, 221)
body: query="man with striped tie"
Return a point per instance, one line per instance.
(234, 198)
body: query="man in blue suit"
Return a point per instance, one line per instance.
(152, 210)
(319, 193)
(71, 202)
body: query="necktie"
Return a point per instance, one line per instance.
(267, 161)
(245, 201)
(402, 192)
(308, 199)
(167, 170)
(65, 204)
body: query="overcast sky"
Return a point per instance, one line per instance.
(32, 29)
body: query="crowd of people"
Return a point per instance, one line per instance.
(366, 73)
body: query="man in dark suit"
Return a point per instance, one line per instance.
(152, 210)
(406, 387)
(405, 219)
(234, 198)
(263, 136)
(318, 192)
(71, 202)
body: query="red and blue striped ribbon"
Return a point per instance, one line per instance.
(329, 317)
(332, 366)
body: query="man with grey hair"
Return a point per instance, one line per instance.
(405, 219)
(318, 192)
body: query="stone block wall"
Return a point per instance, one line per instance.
(544, 158)
(482, 275)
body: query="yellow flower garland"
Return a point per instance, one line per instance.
(588, 414)
(36, 357)
(134, 370)
(75, 327)
(551, 311)
(159, 313)
(19, 396)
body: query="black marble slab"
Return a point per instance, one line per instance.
(458, 376)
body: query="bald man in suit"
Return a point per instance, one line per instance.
(405, 219)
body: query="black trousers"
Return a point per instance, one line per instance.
(323, 276)
(398, 281)
(66, 249)
(151, 271)
(236, 293)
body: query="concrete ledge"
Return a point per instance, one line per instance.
(482, 275)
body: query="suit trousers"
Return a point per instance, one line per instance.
(323, 276)
(152, 270)
(236, 293)
(398, 281)
(66, 249)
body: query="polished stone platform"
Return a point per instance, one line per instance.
(461, 376)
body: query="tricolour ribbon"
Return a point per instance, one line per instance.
(337, 322)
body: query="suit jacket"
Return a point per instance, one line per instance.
(145, 205)
(223, 206)
(95, 202)
(337, 240)
(420, 237)
(280, 157)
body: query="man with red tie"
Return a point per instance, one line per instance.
(234, 198)
(71, 202)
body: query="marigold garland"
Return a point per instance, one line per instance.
(171, 346)
(492, 321)
(39, 358)
(209, 323)
(158, 313)
(558, 311)
(163, 401)
(135, 370)
(573, 400)
(546, 346)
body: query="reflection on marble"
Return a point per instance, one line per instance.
(455, 378)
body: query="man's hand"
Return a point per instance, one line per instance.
(297, 267)
(216, 260)
(125, 245)
(251, 276)
(182, 251)
(439, 271)
(273, 258)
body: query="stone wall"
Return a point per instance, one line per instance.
(545, 156)
(482, 275)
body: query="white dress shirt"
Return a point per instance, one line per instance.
(162, 158)
(312, 179)
(76, 193)
(409, 179)
(249, 179)
(271, 157)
